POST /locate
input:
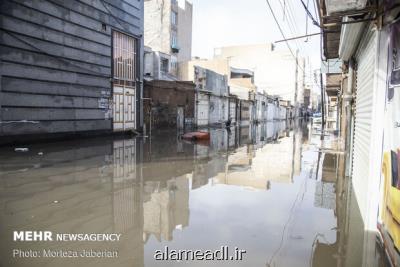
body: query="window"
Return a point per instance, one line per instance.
(164, 65)
(174, 18)
(124, 59)
(174, 64)
(174, 41)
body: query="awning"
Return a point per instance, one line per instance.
(333, 84)
(337, 6)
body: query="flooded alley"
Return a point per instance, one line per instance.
(155, 133)
(268, 189)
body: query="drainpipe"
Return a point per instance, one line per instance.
(196, 99)
(347, 101)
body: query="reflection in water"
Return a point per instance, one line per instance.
(255, 187)
(258, 164)
(166, 209)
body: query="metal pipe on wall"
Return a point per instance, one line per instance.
(348, 98)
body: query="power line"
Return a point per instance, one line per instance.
(291, 7)
(114, 17)
(290, 21)
(308, 1)
(282, 33)
(277, 23)
(315, 9)
(298, 37)
(291, 13)
(297, 29)
(315, 22)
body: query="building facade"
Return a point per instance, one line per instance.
(365, 97)
(169, 104)
(168, 30)
(70, 67)
(246, 105)
(157, 66)
(240, 84)
(185, 22)
(212, 97)
(276, 72)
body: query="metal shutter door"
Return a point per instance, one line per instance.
(203, 109)
(232, 110)
(363, 115)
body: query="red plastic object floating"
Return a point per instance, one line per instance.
(196, 136)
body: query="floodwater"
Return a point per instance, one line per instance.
(266, 189)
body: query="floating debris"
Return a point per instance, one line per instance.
(21, 149)
(193, 136)
(40, 153)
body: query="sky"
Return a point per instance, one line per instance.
(219, 23)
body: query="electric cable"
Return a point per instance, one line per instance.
(308, 2)
(315, 22)
(290, 21)
(282, 33)
(114, 17)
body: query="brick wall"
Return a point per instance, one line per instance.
(162, 98)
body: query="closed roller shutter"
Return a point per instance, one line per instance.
(232, 110)
(215, 110)
(203, 109)
(363, 116)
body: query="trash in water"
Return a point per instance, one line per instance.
(196, 136)
(21, 149)
(40, 153)
(55, 201)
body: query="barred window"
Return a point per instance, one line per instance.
(164, 65)
(124, 51)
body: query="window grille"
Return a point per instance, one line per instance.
(124, 51)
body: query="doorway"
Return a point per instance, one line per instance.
(124, 82)
(180, 117)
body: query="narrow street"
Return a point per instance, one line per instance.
(198, 132)
(271, 189)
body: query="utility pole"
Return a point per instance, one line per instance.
(296, 85)
(322, 105)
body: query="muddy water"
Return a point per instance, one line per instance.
(264, 189)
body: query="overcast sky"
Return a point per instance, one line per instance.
(234, 22)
